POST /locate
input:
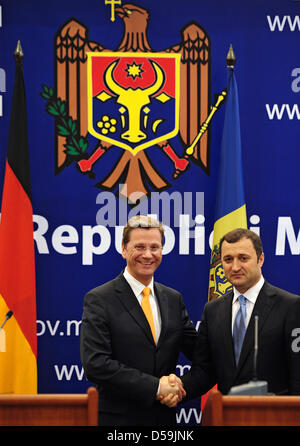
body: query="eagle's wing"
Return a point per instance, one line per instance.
(194, 89)
(71, 44)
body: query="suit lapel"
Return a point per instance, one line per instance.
(262, 308)
(162, 300)
(130, 302)
(226, 315)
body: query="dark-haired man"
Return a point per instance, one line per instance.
(132, 332)
(224, 350)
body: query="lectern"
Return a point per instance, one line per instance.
(226, 410)
(50, 409)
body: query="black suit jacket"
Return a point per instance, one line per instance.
(277, 363)
(119, 355)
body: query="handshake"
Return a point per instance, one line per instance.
(171, 391)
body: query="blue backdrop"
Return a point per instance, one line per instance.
(69, 207)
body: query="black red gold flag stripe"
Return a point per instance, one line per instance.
(18, 339)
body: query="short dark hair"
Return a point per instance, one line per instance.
(141, 221)
(237, 234)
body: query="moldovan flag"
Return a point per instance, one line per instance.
(18, 341)
(230, 205)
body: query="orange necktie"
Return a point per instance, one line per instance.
(147, 310)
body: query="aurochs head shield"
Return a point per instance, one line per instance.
(133, 99)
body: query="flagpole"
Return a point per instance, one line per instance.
(19, 55)
(230, 58)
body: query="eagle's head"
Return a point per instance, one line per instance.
(132, 14)
(135, 21)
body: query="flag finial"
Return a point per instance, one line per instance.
(19, 52)
(230, 58)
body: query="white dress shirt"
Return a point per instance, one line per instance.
(251, 296)
(137, 288)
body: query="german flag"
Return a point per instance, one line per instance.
(18, 341)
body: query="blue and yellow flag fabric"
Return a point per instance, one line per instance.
(230, 205)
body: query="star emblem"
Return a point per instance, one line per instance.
(134, 70)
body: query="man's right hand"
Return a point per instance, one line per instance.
(171, 390)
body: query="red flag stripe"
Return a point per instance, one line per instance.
(17, 256)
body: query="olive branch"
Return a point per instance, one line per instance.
(215, 255)
(66, 126)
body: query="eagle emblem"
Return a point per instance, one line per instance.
(132, 98)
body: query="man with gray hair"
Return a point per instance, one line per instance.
(132, 332)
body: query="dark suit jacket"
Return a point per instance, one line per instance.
(279, 313)
(119, 355)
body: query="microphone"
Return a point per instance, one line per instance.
(8, 316)
(253, 387)
(255, 347)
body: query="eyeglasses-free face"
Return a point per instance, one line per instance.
(143, 253)
(240, 264)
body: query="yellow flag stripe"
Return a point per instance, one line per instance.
(236, 219)
(18, 367)
(218, 284)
